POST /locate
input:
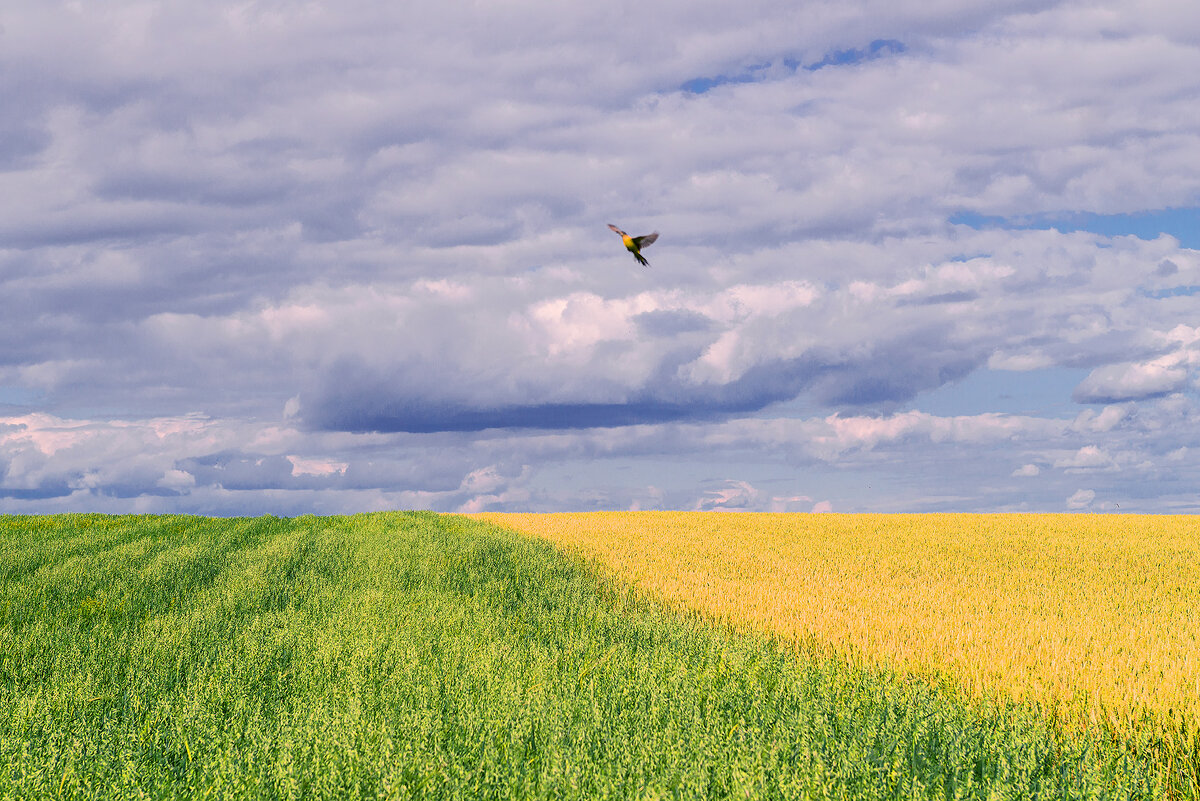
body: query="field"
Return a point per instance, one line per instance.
(411, 655)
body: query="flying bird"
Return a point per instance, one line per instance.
(634, 244)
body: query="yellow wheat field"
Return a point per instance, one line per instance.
(1093, 617)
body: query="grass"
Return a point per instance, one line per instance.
(411, 655)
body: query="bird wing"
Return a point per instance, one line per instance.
(645, 241)
(618, 230)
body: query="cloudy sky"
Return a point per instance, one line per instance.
(291, 257)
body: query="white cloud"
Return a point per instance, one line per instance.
(790, 503)
(1106, 420)
(178, 480)
(315, 467)
(1129, 381)
(1026, 470)
(1089, 457)
(484, 480)
(292, 407)
(734, 496)
(1081, 499)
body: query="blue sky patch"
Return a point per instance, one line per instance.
(1181, 223)
(841, 58)
(837, 58)
(1041, 393)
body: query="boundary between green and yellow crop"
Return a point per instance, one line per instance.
(1092, 619)
(1089, 616)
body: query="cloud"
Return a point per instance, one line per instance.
(669, 322)
(1104, 421)
(225, 466)
(712, 352)
(735, 495)
(1124, 382)
(315, 467)
(1027, 471)
(1081, 499)
(790, 503)
(191, 458)
(1089, 457)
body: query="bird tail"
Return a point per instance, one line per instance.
(641, 259)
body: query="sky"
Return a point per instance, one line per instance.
(299, 257)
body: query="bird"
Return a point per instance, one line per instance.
(634, 244)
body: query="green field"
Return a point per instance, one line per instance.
(411, 655)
